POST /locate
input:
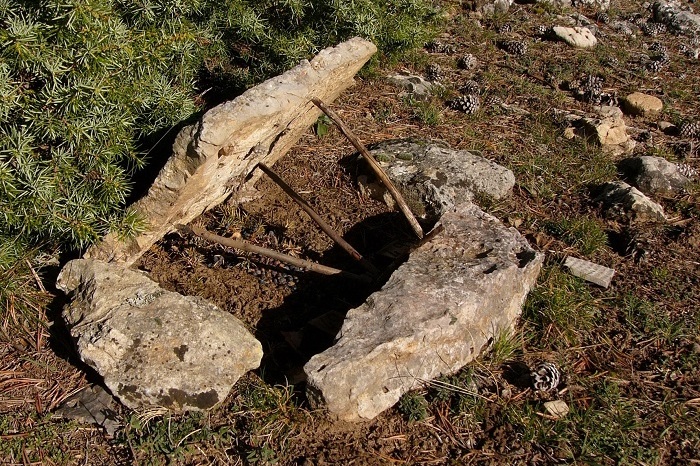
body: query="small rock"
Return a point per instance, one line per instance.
(626, 201)
(557, 408)
(412, 83)
(609, 129)
(589, 271)
(91, 405)
(154, 347)
(654, 175)
(576, 36)
(642, 104)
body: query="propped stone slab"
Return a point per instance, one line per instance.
(215, 156)
(434, 315)
(154, 347)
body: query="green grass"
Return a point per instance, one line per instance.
(559, 311)
(584, 233)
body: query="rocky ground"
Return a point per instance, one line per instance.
(521, 90)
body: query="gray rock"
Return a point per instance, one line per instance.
(214, 157)
(436, 313)
(675, 17)
(495, 7)
(602, 5)
(623, 200)
(580, 37)
(438, 177)
(654, 175)
(413, 84)
(154, 347)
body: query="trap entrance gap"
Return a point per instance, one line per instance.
(294, 313)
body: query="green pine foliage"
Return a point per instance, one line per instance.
(87, 85)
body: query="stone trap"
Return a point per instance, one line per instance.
(434, 314)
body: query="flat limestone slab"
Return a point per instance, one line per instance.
(152, 346)
(434, 315)
(215, 156)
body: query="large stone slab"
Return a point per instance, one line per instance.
(152, 346)
(435, 314)
(580, 37)
(215, 156)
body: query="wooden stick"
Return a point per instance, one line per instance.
(375, 166)
(245, 246)
(319, 221)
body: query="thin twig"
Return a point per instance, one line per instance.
(375, 166)
(319, 221)
(245, 246)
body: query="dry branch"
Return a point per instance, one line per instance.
(319, 221)
(375, 166)
(245, 246)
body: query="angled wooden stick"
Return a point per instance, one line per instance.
(375, 166)
(319, 221)
(245, 246)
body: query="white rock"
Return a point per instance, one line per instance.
(608, 128)
(590, 271)
(213, 158)
(436, 313)
(576, 36)
(557, 408)
(154, 347)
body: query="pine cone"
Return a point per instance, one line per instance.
(653, 29)
(655, 65)
(467, 103)
(686, 170)
(467, 61)
(544, 31)
(602, 17)
(658, 47)
(545, 377)
(505, 28)
(438, 47)
(513, 47)
(433, 72)
(689, 130)
(470, 87)
(588, 89)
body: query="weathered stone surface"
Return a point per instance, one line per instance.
(608, 128)
(413, 84)
(642, 104)
(654, 175)
(154, 347)
(438, 177)
(675, 17)
(623, 200)
(576, 37)
(495, 7)
(435, 314)
(213, 158)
